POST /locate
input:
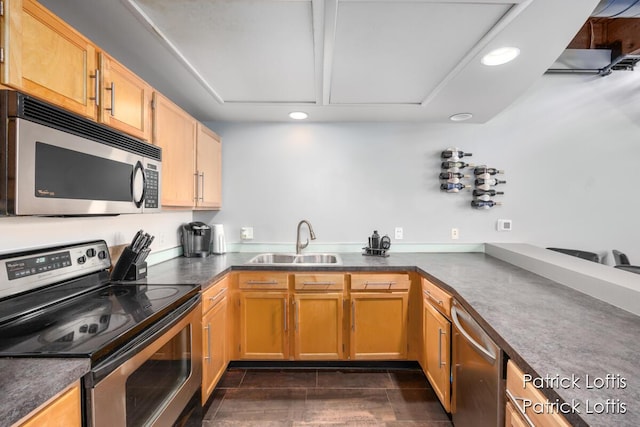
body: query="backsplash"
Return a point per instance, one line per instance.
(31, 232)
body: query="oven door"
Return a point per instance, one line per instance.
(152, 379)
(59, 173)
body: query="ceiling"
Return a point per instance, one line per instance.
(338, 60)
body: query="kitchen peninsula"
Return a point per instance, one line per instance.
(548, 329)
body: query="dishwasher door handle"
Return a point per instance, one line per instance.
(486, 353)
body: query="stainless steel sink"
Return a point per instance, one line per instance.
(293, 259)
(318, 259)
(272, 258)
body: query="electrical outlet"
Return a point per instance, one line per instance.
(455, 233)
(399, 233)
(246, 233)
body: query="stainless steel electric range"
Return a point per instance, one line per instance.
(144, 341)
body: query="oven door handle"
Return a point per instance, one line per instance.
(133, 347)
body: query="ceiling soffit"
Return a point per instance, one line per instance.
(338, 60)
(323, 51)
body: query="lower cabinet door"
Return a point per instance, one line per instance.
(318, 326)
(63, 411)
(264, 325)
(437, 340)
(378, 325)
(214, 349)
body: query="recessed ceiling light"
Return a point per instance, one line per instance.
(460, 117)
(500, 56)
(298, 115)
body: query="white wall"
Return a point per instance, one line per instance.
(30, 232)
(570, 147)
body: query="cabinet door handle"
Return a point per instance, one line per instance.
(215, 297)
(440, 334)
(208, 356)
(431, 297)
(96, 86)
(112, 88)
(520, 410)
(197, 183)
(261, 282)
(295, 315)
(318, 283)
(202, 187)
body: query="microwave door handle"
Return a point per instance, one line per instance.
(138, 170)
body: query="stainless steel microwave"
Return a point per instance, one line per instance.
(53, 162)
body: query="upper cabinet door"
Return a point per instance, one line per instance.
(209, 166)
(125, 99)
(46, 58)
(175, 132)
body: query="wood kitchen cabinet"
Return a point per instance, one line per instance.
(46, 58)
(436, 355)
(125, 99)
(208, 169)
(518, 392)
(62, 411)
(175, 132)
(263, 315)
(379, 306)
(437, 342)
(264, 329)
(318, 316)
(215, 354)
(191, 158)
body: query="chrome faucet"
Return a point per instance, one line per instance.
(299, 245)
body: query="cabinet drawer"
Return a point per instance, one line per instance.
(525, 396)
(214, 294)
(262, 280)
(380, 282)
(512, 417)
(439, 298)
(319, 282)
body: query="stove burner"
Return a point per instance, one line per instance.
(160, 293)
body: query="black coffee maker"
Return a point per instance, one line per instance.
(196, 239)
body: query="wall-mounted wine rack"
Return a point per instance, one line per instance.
(455, 179)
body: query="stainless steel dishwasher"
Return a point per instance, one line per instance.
(478, 389)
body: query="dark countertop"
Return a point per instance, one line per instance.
(548, 329)
(27, 383)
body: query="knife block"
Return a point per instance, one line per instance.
(136, 271)
(130, 266)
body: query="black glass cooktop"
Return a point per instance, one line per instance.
(71, 321)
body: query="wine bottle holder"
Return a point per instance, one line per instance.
(452, 176)
(482, 179)
(486, 179)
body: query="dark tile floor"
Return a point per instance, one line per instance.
(288, 397)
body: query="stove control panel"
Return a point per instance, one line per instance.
(38, 264)
(24, 271)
